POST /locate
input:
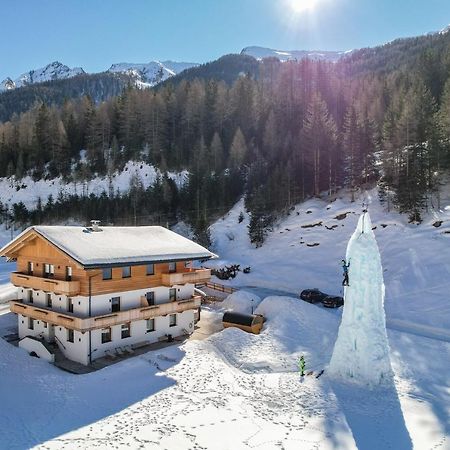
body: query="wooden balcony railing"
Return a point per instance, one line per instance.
(195, 277)
(74, 322)
(69, 288)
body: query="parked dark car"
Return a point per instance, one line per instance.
(332, 301)
(312, 295)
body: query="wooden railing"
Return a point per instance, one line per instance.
(195, 276)
(69, 288)
(73, 322)
(220, 287)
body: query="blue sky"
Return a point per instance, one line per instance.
(94, 34)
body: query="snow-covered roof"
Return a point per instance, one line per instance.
(119, 245)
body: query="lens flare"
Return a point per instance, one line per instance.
(299, 6)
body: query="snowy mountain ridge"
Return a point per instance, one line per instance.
(145, 74)
(151, 73)
(286, 55)
(53, 71)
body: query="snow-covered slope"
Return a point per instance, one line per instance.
(285, 55)
(52, 71)
(151, 73)
(29, 191)
(306, 249)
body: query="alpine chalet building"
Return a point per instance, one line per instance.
(98, 291)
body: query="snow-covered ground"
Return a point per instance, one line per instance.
(29, 191)
(240, 391)
(231, 391)
(306, 250)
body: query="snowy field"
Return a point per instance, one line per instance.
(231, 391)
(240, 391)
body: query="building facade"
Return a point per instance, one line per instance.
(103, 291)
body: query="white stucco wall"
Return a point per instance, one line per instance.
(185, 323)
(78, 350)
(101, 304)
(39, 330)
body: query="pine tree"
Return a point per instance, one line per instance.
(319, 134)
(238, 150)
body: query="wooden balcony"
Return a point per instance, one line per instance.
(195, 277)
(74, 322)
(69, 288)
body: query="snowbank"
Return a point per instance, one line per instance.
(7, 292)
(293, 328)
(242, 302)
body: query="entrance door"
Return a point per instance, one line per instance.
(51, 333)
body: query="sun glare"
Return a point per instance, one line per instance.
(299, 6)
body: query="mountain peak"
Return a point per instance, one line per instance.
(286, 55)
(151, 73)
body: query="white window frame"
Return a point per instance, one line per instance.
(49, 270)
(173, 320)
(125, 327)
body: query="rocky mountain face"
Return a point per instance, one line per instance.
(52, 71)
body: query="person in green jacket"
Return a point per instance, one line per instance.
(301, 365)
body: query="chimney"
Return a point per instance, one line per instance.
(95, 225)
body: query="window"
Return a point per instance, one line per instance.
(69, 305)
(45, 324)
(172, 295)
(107, 273)
(106, 335)
(150, 296)
(30, 296)
(30, 323)
(70, 336)
(30, 268)
(172, 320)
(187, 264)
(68, 273)
(126, 327)
(172, 267)
(49, 270)
(48, 299)
(150, 269)
(126, 272)
(115, 304)
(150, 325)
